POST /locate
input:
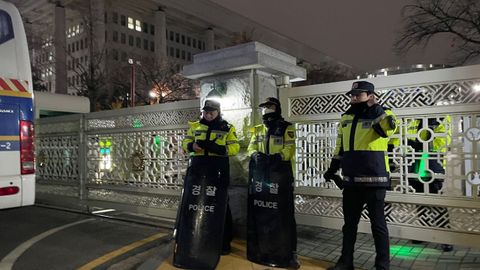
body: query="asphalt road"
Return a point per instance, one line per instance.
(41, 238)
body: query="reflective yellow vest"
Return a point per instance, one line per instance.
(283, 144)
(200, 132)
(361, 146)
(438, 143)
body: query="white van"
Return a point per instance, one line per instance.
(17, 166)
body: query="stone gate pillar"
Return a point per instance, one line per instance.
(241, 77)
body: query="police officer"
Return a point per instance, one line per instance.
(209, 142)
(272, 148)
(422, 130)
(361, 144)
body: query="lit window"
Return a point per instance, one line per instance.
(130, 23)
(138, 26)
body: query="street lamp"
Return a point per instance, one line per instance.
(132, 81)
(153, 93)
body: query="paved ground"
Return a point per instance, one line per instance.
(325, 244)
(39, 238)
(36, 238)
(319, 248)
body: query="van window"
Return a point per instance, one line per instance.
(6, 29)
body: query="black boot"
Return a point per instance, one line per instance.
(294, 264)
(446, 247)
(339, 266)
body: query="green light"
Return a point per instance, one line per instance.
(137, 123)
(421, 168)
(158, 140)
(411, 252)
(105, 145)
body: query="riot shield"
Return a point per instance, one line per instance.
(271, 237)
(201, 218)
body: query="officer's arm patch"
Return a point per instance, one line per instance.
(391, 122)
(291, 133)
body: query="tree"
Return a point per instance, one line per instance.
(90, 76)
(156, 82)
(244, 36)
(37, 82)
(324, 73)
(166, 83)
(425, 19)
(93, 81)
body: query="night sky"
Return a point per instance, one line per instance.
(358, 33)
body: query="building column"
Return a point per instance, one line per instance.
(210, 39)
(60, 45)
(160, 37)
(97, 12)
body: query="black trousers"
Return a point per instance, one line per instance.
(354, 198)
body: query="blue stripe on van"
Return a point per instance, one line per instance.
(9, 146)
(9, 117)
(24, 104)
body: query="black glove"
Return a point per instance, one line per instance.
(393, 167)
(212, 147)
(275, 158)
(258, 157)
(337, 179)
(334, 165)
(201, 143)
(190, 147)
(330, 174)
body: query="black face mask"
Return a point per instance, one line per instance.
(358, 107)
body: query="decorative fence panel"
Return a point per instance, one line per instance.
(129, 159)
(435, 185)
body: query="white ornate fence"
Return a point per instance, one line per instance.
(131, 158)
(449, 217)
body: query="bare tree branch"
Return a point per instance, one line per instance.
(426, 19)
(161, 78)
(324, 73)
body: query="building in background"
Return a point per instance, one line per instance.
(75, 43)
(388, 71)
